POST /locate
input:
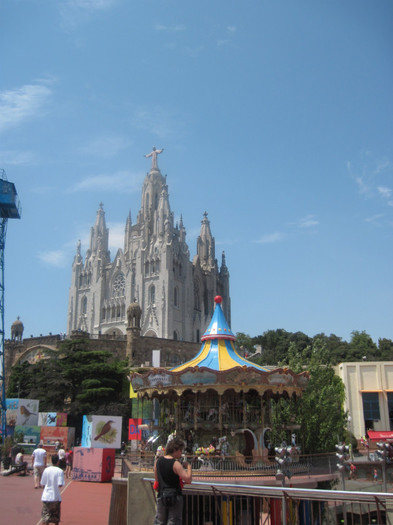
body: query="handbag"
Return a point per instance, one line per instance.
(169, 497)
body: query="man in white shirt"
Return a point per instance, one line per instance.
(52, 479)
(38, 458)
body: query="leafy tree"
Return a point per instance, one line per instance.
(335, 346)
(245, 343)
(78, 381)
(320, 409)
(385, 349)
(361, 345)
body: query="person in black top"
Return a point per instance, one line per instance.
(170, 474)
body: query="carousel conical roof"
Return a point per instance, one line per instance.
(218, 351)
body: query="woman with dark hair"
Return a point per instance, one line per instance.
(169, 474)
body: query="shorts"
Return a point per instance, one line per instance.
(51, 511)
(38, 471)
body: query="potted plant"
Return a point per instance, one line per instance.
(5, 450)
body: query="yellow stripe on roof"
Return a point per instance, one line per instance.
(225, 360)
(196, 360)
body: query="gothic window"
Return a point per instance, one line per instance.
(80, 280)
(175, 335)
(152, 294)
(206, 302)
(118, 311)
(84, 305)
(103, 313)
(176, 296)
(147, 268)
(119, 286)
(197, 336)
(197, 302)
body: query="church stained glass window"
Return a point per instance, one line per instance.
(119, 286)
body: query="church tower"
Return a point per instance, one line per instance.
(154, 271)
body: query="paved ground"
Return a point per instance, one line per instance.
(83, 503)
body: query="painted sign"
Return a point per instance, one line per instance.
(101, 431)
(22, 411)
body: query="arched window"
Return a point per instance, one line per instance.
(197, 336)
(119, 286)
(176, 296)
(147, 268)
(84, 305)
(103, 313)
(152, 294)
(175, 335)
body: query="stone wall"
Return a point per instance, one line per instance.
(172, 352)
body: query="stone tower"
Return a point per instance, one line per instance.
(154, 271)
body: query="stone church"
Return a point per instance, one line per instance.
(154, 270)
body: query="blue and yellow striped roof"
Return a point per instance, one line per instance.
(218, 351)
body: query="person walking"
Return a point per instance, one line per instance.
(52, 479)
(38, 459)
(170, 475)
(68, 460)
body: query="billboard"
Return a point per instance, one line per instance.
(22, 412)
(101, 431)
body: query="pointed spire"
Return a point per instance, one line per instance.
(206, 244)
(99, 234)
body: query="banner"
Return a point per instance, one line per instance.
(133, 429)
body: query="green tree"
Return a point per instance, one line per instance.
(320, 410)
(78, 380)
(245, 343)
(385, 349)
(361, 346)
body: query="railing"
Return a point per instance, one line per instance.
(205, 503)
(207, 466)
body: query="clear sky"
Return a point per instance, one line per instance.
(276, 117)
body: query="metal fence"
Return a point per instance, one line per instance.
(239, 465)
(206, 503)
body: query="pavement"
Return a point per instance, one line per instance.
(83, 503)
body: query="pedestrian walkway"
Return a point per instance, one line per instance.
(82, 502)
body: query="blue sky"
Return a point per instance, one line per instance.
(276, 118)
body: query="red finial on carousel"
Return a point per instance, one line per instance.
(218, 299)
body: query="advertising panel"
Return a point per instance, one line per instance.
(101, 431)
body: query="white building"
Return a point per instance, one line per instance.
(154, 269)
(368, 395)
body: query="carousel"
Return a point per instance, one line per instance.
(218, 400)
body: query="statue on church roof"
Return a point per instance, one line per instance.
(153, 154)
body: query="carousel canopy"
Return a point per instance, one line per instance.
(219, 366)
(218, 351)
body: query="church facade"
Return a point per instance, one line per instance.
(154, 270)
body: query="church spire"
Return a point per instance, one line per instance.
(206, 245)
(99, 235)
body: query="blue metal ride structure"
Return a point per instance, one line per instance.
(9, 209)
